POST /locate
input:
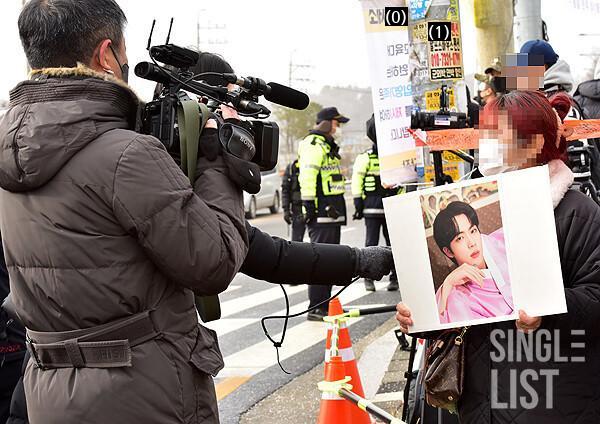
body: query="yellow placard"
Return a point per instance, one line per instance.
(450, 157)
(398, 160)
(420, 32)
(432, 99)
(450, 169)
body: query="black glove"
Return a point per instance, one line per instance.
(310, 211)
(359, 206)
(209, 145)
(287, 217)
(373, 262)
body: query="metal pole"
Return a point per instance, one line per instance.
(493, 29)
(527, 22)
(409, 377)
(438, 167)
(369, 407)
(374, 310)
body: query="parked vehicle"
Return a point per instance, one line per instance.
(269, 195)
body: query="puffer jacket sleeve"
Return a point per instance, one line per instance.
(578, 230)
(280, 261)
(196, 238)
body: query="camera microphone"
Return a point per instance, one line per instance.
(273, 92)
(287, 96)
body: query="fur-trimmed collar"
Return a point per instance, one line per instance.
(561, 179)
(81, 71)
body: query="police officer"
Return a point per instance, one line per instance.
(292, 201)
(368, 199)
(322, 191)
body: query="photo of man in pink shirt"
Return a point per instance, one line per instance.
(479, 284)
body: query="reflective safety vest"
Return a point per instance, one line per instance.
(366, 183)
(321, 179)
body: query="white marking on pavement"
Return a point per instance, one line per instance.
(378, 352)
(388, 397)
(253, 300)
(224, 326)
(345, 230)
(232, 288)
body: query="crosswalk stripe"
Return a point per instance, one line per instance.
(231, 288)
(253, 300)
(227, 325)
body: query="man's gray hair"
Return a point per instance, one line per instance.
(60, 33)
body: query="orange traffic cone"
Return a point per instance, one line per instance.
(334, 409)
(347, 354)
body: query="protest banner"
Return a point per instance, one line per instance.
(388, 51)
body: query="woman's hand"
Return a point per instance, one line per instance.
(403, 317)
(461, 275)
(528, 324)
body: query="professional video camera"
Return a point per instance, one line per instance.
(440, 120)
(254, 140)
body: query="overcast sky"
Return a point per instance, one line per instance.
(260, 36)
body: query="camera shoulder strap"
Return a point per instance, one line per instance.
(192, 117)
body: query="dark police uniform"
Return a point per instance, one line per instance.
(368, 196)
(292, 201)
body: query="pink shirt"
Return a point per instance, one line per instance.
(470, 301)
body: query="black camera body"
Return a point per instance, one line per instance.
(440, 120)
(160, 117)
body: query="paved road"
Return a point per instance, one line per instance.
(251, 371)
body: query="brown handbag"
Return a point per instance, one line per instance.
(444, 369)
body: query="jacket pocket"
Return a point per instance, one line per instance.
(206, 355)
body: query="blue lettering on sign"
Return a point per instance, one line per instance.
(401, 90)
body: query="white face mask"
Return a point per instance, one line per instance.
(492, 157)
(337, 134)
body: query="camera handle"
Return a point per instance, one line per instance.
(192, 117)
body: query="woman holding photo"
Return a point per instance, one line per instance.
(479, 286)
(507, 379)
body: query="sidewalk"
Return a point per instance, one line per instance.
(381, 364)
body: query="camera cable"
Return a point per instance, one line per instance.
(287, 316)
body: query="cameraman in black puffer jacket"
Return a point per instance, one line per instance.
(277, 260)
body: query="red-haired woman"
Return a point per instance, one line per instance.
(554, 377)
